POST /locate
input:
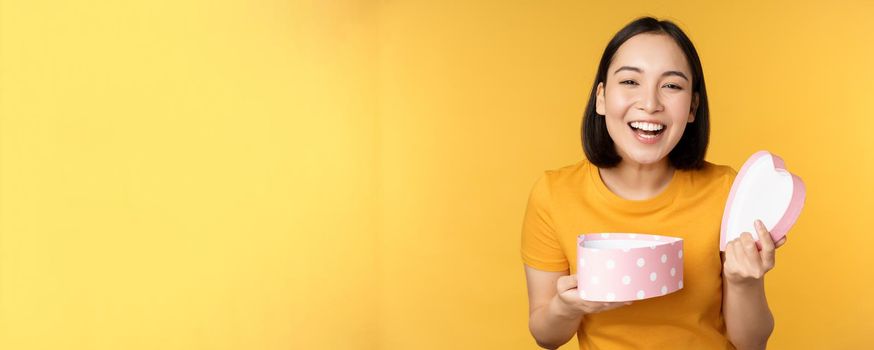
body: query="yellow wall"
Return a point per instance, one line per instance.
(352, 174)
(194, 175)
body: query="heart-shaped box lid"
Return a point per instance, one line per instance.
(763, 189)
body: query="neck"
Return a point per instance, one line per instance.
(637, 181)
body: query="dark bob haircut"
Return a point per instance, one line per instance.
(690, 150)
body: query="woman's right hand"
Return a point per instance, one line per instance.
(570, 301)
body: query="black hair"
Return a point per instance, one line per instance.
(690, 150)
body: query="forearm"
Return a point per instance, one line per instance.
(748, 319)
(552, 326)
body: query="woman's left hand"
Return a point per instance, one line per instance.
(744, 262)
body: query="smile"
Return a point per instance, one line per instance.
(647, 132)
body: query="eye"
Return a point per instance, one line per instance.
(674, 86)
(625, 82)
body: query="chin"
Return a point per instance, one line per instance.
(646, 157)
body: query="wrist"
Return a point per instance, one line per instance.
(747, 284)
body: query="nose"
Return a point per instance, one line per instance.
(650, 102)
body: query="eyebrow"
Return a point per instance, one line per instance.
(667, 73)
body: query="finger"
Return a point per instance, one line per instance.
(751, 253)
(566, 283)
(747, 242)
(765, 238)
(781, 242)
(731, 257)
(740, 258)
(768, 245)
(613, 305)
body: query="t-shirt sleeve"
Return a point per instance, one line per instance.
(540, 247)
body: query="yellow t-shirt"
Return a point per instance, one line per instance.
(573, 200)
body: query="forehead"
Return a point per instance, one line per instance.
(654, 53)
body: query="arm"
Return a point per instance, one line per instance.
(549, 323)
(748, 319)
(555, 308)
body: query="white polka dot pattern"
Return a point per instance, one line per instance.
(610, 268)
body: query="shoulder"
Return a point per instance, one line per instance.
(713, 174)
(566, 175)
(713, 169)
(558, 180)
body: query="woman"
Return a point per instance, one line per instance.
(645, 133)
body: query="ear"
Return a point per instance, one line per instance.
(694, 108)
(599, 100)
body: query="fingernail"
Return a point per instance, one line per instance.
(759, 224)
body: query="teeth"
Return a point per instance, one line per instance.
(647, 126)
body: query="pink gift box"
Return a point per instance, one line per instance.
(764, 189)
(628, 266)
(633, 266)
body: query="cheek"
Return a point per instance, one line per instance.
(679, 103)
(617, 104)
(678, 109)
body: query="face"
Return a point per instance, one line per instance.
(647, 99)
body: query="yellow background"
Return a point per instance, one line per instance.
(353, 174)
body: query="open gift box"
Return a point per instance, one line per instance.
(628, 266)
(633, 266)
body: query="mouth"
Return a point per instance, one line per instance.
(647, 132)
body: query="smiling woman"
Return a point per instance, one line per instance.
(656, 67)
(645, 134)
(639, 89)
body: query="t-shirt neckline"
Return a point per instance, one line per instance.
(663, 198)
